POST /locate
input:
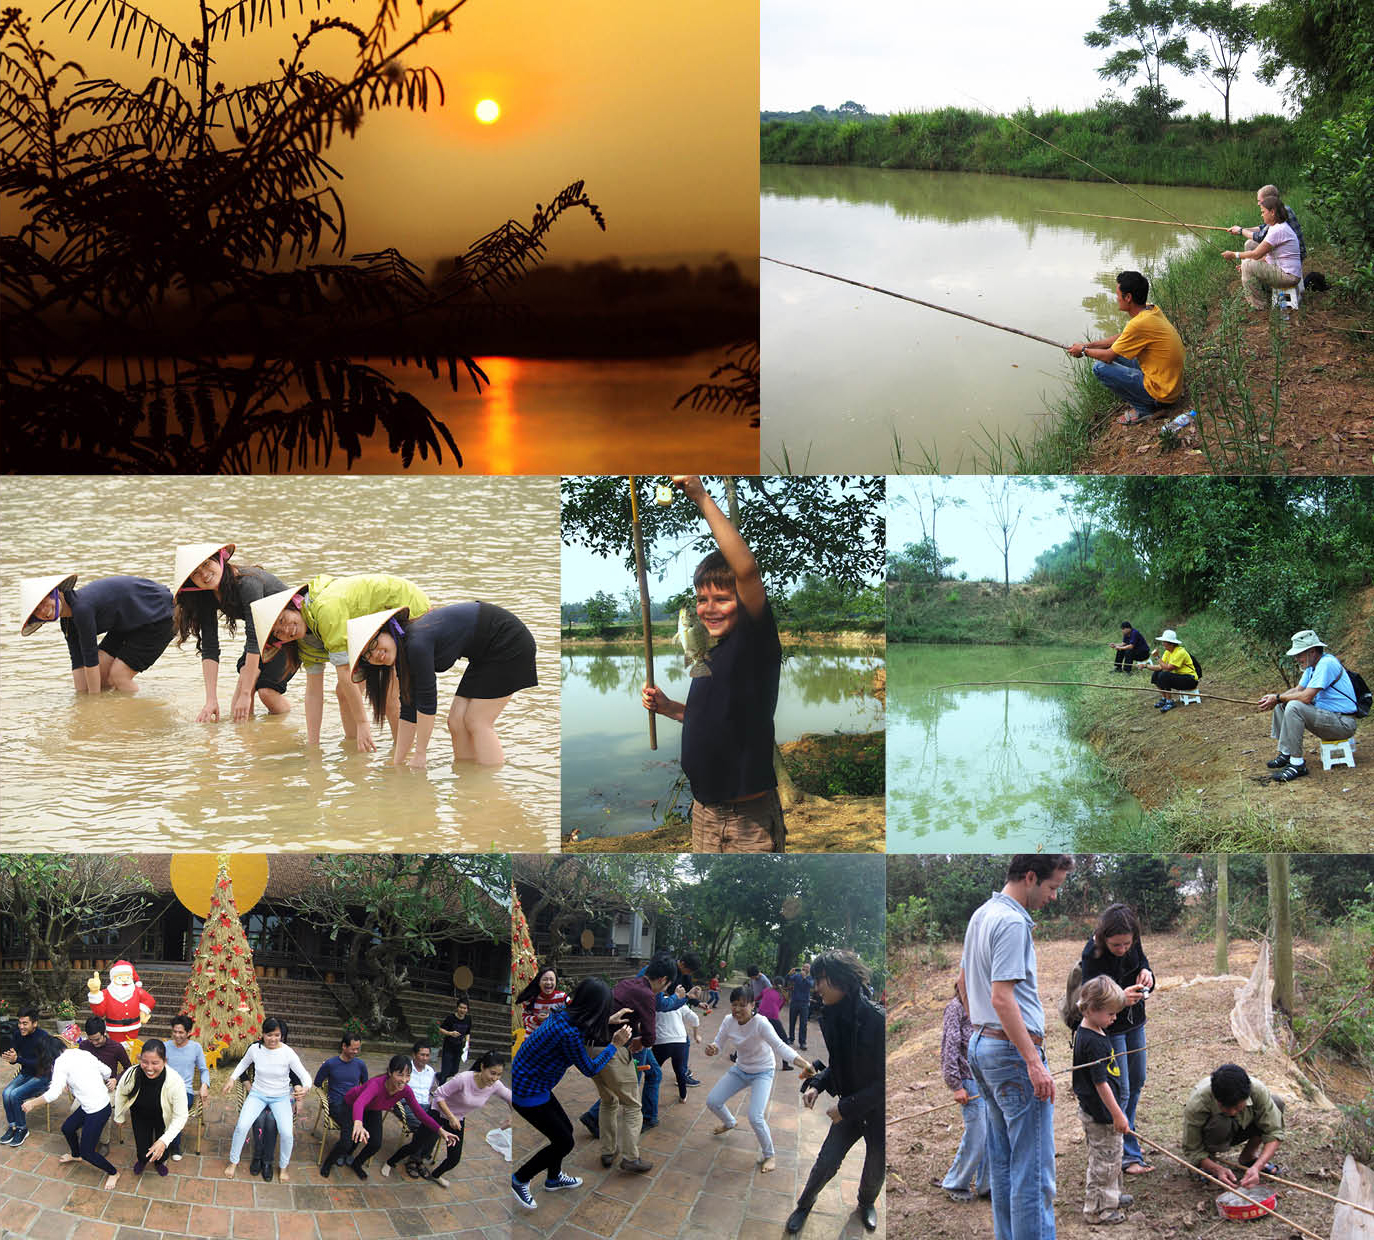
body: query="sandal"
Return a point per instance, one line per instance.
(1134, 418)
(1139, 1168)
(1107, 1217)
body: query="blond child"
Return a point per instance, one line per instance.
(1095, 1072)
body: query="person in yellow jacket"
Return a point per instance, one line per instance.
(311, 623)
(1173, 669)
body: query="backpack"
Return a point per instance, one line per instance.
(1363, 698)
(1197, 665)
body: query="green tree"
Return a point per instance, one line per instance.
(53, 900)
(1325, 46)
(389, 910)
(1147, 36)
(602, 610)
(1229, 30)
(919, 563)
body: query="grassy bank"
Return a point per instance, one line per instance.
(1115, 138)
(628, 639)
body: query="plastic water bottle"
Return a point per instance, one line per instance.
(1182, 422)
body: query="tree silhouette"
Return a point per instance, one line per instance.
(176, 297)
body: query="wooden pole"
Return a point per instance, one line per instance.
(643, 605)
(1088, 684)
(1316, 1192)
(929, 305)
(1131, 219)
(1230, 1188)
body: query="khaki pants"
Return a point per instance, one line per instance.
(1292, 719)
(753, 826)
(1104, 1166)
(621, 1116)
(1257, 277)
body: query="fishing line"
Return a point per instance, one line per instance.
(1131, 219)
(1088, 684)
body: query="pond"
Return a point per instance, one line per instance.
(119, 771)
(851, 377)
(990, 769)
(613, 783)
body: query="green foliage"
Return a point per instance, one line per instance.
(1330, 995)
(602, 610)
(822, 604)
(1342, 177)
(1229, 31)
(910, 921)
(1241, 437)
(919, 563)
(840, 765)
(1266, 599)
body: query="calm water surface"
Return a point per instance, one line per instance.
(613, 782)
(989, 769)
(850, 374)
(121, 772)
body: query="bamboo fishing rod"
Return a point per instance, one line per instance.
(1088, 684)
(1316, 1192)
(643, 604)
(1131, 219)
(929, 305)
(1230, 1188)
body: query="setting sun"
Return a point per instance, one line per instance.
(487, 111)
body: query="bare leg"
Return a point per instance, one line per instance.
(121, 675)
(106, 662)
(479, 716)
(458, 730)
(276, 703)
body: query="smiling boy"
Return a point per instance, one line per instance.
(727, 720)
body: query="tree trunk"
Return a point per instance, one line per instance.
(1223, 896)
(1282, 922)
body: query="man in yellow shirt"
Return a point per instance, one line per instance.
(1143, 364)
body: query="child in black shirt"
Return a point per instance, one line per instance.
(1104, 1122)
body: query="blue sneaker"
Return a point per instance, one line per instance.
(9, 1134)
(1167, 707)
(554, 1183)
(523, 1194)
(21, 1134)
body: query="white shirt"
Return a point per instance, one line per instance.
(754, 1042)
(672, 1026)
(272, 1069)
(85, 1076)
(421, 1082)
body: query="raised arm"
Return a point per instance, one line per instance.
(748, 580)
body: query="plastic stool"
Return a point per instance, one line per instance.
(1287, 299)
(1189, 699)
(1338, 753)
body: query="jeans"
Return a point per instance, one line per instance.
(1124, 377)
(838, 1142)
(760, 1086)
(252, 1107)
(17, 1092)
(1129, 1085)
(1020, 1141)
(969, 1170)
(176, 1145)
(797, 1015)
(90, 1126)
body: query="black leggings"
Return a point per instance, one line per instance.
(372, 1120)
(147, 1133)
(422, 1140)
(455, 1154)
(677, 1052)
(552, 1121)
(90, 1127)
(1173, 680)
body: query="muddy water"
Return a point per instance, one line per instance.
(849, 375)
(613, 783)
(989, 769)
(120, 772)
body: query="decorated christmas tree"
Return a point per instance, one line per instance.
(222, 997)
(524, 964)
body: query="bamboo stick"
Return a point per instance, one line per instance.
(929, 305)
(1316, 1192)
(1131, 219)
(1230, 1188)
(1088, 684)
(643, 606)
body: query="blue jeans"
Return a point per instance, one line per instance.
(970, 1170)
(759, 1085)
(17, 1092)
(1020, 1141)
(253, 1106)
(175, 1147)
(1129, 1086)
(1124, 377)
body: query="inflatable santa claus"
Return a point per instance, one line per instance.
(124, 1004)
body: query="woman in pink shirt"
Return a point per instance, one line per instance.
(459, 1097)
(367, 1103)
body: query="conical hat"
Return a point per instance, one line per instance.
(32, 591)
(266, 611)
(190, 557)
(362, 630)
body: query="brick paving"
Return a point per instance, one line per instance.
(701, 1185)
(41, 1199)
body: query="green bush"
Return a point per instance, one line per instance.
(1342, 179)
(912, 922)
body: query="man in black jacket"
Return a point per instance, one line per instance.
(854, 1031)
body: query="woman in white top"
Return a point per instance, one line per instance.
(1276, 262)
(753, 1040)
(273, 1063)
(88, 1079)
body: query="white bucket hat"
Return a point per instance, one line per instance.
(1169, 636)
(361, 631)
(265, 613)
(190, 557)
(32, 591)
(1305, 639)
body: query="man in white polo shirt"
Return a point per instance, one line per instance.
(1006, 1049)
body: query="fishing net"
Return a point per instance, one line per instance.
(1357, 1185)
(1252, 1018)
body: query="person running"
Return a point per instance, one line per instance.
(753, 1041)
(205, 586)
(88, 1079)
(153, 1097)
(135, 615)
(500, 652)
(558, 1044)
(272, 1062)
(368, 1104)
(459, 1097)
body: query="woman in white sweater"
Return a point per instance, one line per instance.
(87, 1078)
(754, 1043)
(273, 1062)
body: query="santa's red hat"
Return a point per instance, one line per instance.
(124, 964)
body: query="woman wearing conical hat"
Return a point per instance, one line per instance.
(310, 624)
(500, 654)
(135, 615)
(205, 586)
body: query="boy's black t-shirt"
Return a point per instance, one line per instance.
(1087, 1047)
(727, 730)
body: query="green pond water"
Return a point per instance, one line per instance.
(990, 769)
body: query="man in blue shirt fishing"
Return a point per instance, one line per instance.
(1323, 702)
